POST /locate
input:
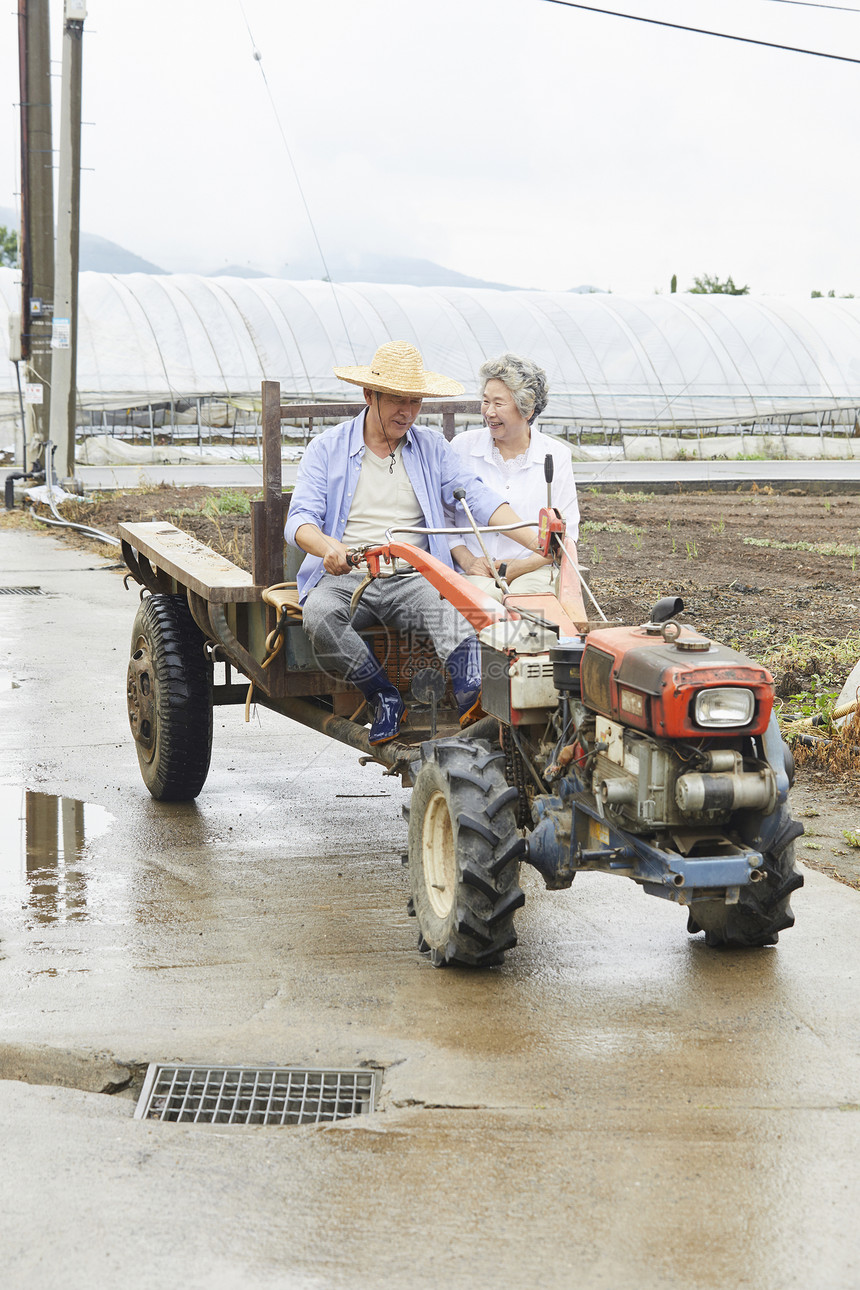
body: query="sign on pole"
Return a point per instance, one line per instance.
(61, 334)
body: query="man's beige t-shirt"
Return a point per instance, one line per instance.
(384, 499)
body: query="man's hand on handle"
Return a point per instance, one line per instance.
(336, 558)
(333, 553)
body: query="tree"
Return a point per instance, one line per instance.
(8, 246)
(708, 286)
(831, 295)
(673, 285)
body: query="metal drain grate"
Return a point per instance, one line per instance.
(254, 1095)
(20, 591)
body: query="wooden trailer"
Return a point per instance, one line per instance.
(215, 634)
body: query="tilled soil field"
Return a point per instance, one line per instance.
(776, 575)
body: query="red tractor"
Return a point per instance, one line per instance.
(649, 752)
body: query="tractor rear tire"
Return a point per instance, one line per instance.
(464, 855)
(763, 910)
(170, 699)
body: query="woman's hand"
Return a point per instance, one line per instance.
(474, 566)
(516, 568)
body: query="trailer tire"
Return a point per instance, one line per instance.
(764, 909)
(170, 699)
(464, 854)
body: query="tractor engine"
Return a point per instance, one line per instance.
(666, 722)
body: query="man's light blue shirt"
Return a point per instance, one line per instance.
(328, 475)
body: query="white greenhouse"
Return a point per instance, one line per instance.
(658, 362)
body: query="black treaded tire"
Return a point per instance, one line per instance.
(170, 699)
(464, 855)
(763, 910)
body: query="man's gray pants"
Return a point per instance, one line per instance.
(405, 604)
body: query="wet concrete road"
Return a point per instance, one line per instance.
(632, 474)
(617, 1107)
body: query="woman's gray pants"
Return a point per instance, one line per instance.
(403, 603)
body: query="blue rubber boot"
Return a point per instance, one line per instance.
(383, 699)
(464, 665)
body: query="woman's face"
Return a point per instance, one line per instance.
(505, 421)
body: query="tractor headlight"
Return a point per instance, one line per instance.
(724, 706)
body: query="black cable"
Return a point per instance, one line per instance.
(701, 31)
(814, 4)
(258, 58)
(390, 449)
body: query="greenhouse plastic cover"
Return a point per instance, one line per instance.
(671, 360)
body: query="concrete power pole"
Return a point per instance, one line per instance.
(64, 334)
(37, 213)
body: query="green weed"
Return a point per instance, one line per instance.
(621, 496)
(606, 526)
(852, 837)
(816, 702)
(228, 502)
(819, 548)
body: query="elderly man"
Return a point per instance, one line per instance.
(356, 480)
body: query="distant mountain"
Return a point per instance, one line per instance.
(102, 256)
(386, 268)
(97, 254)
(237, 271)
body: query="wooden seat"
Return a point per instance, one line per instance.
(284, 596)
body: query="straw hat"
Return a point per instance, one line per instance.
(398, 368)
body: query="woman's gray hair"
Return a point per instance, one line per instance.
(526, 381)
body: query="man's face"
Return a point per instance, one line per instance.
(395, 412)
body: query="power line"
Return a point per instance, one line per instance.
(258, 57)
(814, 4)
(701, 31)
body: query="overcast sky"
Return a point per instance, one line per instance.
(513, 140)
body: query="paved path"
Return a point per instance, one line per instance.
(618, 1107)
(633, 474)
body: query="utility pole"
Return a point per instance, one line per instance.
(37, 212)
(64, 332)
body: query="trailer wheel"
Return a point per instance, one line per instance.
(170, 699)
(763, 910)
(464, 855)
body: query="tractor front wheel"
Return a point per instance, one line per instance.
(763, 909)
(464, 855)
(170, 699)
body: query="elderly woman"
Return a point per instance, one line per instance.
(508, 454)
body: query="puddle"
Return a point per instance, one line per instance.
(43, 839)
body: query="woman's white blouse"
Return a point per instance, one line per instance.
(521, 483)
